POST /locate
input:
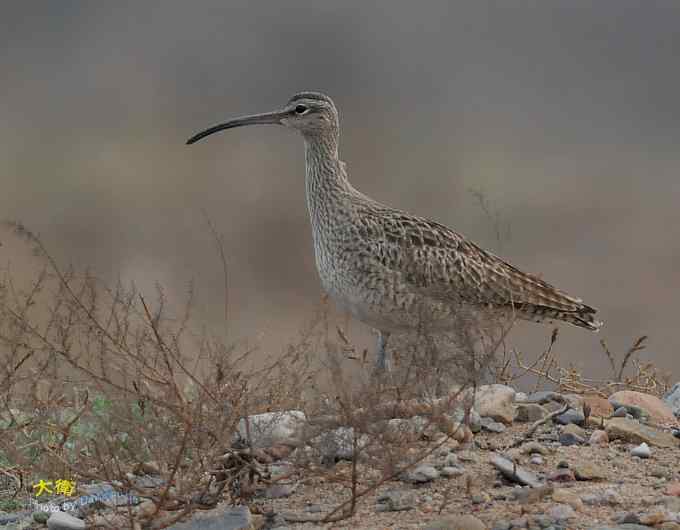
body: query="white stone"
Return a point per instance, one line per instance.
(272, 428)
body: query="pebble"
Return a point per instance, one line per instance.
(537, 460)
(64, 521)
(423, 473)
(451, 471)
(395, 501)
(569, 438)
(492, 426)
(571, 416)
(641, 451)
(561, 512)
(530, 412)
(672, 399)
(271, 428)
(599, 437)
(456, 522)
(514, 472)
(588, 471)
(501, 524)
(534, 447)
(620, 412)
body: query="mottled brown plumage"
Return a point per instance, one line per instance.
(385, 266)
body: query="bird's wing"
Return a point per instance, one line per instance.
(441, 263)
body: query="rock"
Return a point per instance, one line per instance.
(272, 428)
(395, 501)
(672, 399)
(280, 491)
(534, 447)
(572, 434)
(675, 432)
(338, 444)
(529, 495)
(620, 412)
(515, 473)
(599, 438)
(480, 498)
(530, 412)
(657, 410)
(634, 432)
(561, 513)
(588, 471)
(537, 460)
(520, 522)
(542, 397)
(496, 402)
(571, 416)
(641, 451)
(64, 521)
(612, 497)
(673, 489)
(456, 522)
(564, 497)
(423, 473)
(501, 524)
(599, 406)
(567, 439)
(40, 517)
(653, 519)
(451, 472)
(221, 518)
(492, 426)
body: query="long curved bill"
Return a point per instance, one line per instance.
(255, 119)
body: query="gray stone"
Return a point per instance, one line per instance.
(492, 426)
(520, 522)
(224, 518)
(637, 412)
(501, 524)
(530, 412)
(456, 522)
(561, 512)
(64, 521)
(423, 473)
(280, 491)
(569, 438)
(571, 416)
(641, 451)
(395, 501)
(515, 473)
(338, 444)
(496, 402)
(620, 412)
(672, 399)
(272, 428)
(542, 397)
(537, 460)
(452, 472)
(625, 526)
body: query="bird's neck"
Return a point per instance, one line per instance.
(325, 179)
(325, 172)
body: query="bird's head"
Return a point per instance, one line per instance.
(311, 113)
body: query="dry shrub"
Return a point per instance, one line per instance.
(107, 384)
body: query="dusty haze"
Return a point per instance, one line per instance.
(566, 115)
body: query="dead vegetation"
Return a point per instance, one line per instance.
(108, 384)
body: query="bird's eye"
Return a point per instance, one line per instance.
(300, 109)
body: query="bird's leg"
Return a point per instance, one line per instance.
(383, 362)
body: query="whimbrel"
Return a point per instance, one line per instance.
(384, 265)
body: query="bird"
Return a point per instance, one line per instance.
(384, 265)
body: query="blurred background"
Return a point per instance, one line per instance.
(565, 115)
